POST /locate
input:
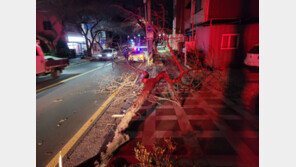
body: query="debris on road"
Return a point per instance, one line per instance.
(40, 143)
(117, 115)
(57, 100)
(62, 120)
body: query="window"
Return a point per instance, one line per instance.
(229, 41)
(197, 6)
(47, 25)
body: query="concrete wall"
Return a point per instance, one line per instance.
(251, 36)
(217, 56)
(203, 38)
(222, 58)
(199, 17)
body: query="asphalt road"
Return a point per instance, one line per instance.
(63, 109)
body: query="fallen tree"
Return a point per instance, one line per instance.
(149, 84)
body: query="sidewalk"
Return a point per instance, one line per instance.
(212, 128)
(209, 129)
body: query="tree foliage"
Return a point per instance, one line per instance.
(88, 17)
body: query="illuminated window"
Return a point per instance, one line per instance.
(47, 25)
(76, 39)
(229, 41)
(72, 45)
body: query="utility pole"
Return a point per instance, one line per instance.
(149, 31)
(145, 8)
(192, 18)
(191, 39)
(149, 10)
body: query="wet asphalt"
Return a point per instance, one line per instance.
(63, 109)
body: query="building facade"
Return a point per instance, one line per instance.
(48, 27)
(223, 30)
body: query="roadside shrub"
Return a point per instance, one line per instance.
(160, 155)
(62, 50)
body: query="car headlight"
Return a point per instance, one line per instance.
(109, 55)
(99, 55)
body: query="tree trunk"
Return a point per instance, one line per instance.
(88, 47)
(89, 54)
(120, 137)
(48, 43)
(55, 41)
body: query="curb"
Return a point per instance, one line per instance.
(82, 131)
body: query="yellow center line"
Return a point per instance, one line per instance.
(80, 132)
(55, 160)
(65, 80)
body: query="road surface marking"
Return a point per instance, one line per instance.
(60, 161)
(75, 138)
(63, 81)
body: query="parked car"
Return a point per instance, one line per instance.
(138, 54)
(106, 54)
(252, 59)
(48, 64)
